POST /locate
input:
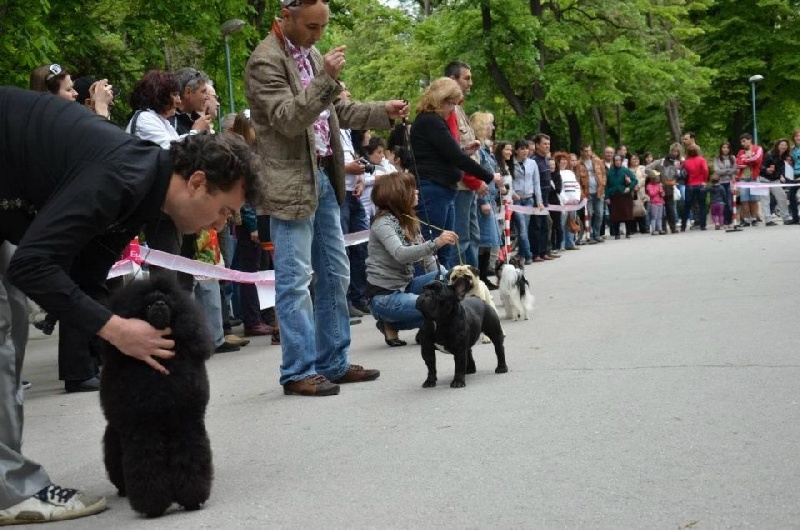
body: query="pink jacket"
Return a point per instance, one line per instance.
(655, 192)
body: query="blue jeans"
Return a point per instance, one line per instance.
(597, 207)
(569, 237)
(315, 337)
(522, 221)
(467, 227)
(208, 296)
(694, 193)
(437, 207)
(354, 219)
(399, 309)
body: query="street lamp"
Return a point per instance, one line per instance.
(228, 28)
(753, 80)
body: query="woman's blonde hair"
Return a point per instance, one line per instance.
(480, 122)
(443, 90)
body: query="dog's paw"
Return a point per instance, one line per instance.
(485, 339)
(192, 507)
(429, 383)
(458, 383)
(501, 369)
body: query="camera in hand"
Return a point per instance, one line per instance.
(369, 167)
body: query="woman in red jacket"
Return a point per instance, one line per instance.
(696, 178)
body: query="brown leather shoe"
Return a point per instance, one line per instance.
(358, 374)
(547, 257)
(313, 385)
(259, 330)
(236, 340)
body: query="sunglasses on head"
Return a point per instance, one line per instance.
(53, 71)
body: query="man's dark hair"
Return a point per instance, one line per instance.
(745, 136)
(454, 69)
(224, 158)
(537, 139)
(690, 134)
(521, 143)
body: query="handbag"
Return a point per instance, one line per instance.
(638, 208)
(572, 224)
(676, 193)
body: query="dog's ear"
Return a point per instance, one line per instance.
(475, 271)
(461, 286)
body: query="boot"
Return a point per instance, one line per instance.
(483, 269)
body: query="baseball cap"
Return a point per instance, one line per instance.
(83, 84)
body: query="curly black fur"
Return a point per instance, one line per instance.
(156, 447)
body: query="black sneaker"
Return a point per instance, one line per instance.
(87, 385)
(226, 347)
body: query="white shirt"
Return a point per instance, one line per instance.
(570, 188)
(153, 127)
(349, 156)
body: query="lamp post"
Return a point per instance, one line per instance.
(753, 80)
(228, 28)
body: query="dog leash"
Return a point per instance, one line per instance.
(420, 221)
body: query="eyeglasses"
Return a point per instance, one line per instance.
(54, 70)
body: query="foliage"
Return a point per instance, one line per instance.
(632, 71)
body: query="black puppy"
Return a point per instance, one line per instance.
(156, 447)
(453, 324)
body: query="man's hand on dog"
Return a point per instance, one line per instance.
(446, 238)
(139, 340)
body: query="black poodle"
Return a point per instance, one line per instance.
(156, 447)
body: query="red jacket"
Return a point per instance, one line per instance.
(468, 180)
(753, 161)
(696, 169)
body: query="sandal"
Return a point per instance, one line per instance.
(393, 343)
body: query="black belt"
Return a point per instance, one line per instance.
(325, 162)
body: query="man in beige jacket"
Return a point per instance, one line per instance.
(293, 94)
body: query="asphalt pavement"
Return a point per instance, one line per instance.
(656, 386)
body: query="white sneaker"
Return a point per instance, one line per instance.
(53, 503)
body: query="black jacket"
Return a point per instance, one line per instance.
(438, 156)
(74, 190)
(771, 159)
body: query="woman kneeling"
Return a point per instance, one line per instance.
(395, 245)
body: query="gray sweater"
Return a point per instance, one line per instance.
(390, 264)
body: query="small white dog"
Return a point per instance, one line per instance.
(515, 292)
(477, 288)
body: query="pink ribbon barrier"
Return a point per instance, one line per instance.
(789, 183)
(134, 256)
(356, 238)
(532, 210)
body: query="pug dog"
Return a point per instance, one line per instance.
(453, 325)
(477, 288)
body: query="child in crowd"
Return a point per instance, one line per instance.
(655, 191)
(717, 193)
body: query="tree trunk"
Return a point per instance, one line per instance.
(600, 122)
(494, 68)
(575, 139)
(674, 120)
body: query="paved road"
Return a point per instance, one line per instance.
(655, 387)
